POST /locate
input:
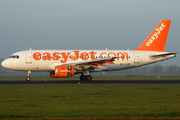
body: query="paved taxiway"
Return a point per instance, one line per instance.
(92, 82)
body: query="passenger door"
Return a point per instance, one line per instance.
(136, 57)
(29, 57)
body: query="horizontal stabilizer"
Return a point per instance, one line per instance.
(164, 55)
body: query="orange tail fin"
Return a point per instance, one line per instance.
(156, 41)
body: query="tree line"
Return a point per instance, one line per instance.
(153, 70)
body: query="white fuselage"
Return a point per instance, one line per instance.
(47, 60)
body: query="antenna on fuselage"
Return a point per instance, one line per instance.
(106, 48)
(30, 48)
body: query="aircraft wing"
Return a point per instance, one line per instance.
(91, 64)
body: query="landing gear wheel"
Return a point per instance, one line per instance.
(88, 77)
(82, 77)
(28, 78)
(28, 75)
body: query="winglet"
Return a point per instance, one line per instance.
(156, 41)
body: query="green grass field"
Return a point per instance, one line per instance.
(29, 101)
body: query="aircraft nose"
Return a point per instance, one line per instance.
(4, 63)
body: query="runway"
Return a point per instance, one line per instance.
(94, 82)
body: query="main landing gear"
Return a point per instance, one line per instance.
(28, 76)
(86, 77)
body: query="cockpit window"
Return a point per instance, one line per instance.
(14, 56)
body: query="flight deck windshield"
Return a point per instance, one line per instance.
(14, 56)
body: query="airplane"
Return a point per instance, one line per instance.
(67, 63)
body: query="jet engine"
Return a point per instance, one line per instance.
(63, 71)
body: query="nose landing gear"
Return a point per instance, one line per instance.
(28, 76)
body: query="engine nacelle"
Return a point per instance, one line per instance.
(63, 71)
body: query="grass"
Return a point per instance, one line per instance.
(28, 101)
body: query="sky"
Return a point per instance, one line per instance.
(85, 24)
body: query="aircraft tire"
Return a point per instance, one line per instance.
(28, 78)
(88, 77)
(82, 77)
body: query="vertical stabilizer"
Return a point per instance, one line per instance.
(156, 41)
